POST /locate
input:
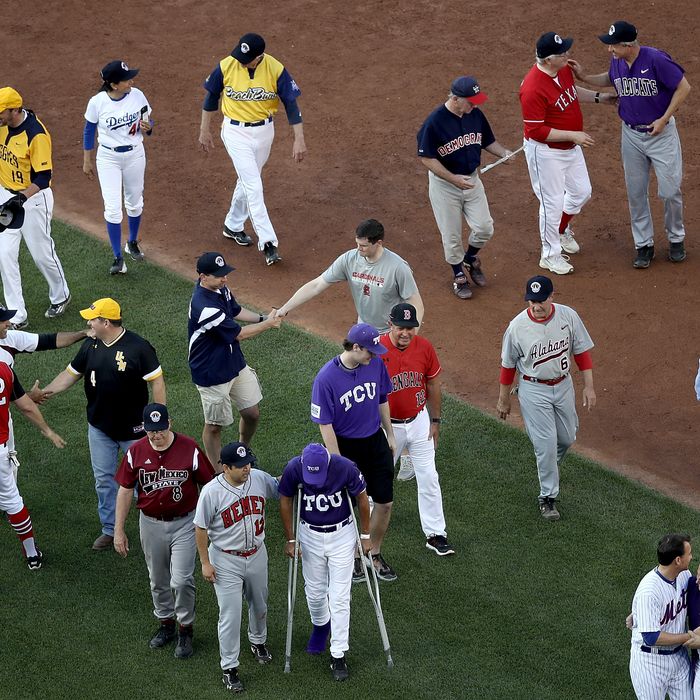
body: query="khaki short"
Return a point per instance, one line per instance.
(243, 392)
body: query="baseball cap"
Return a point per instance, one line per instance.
(11, 214)
(6, 314)
(103, 308)
(538, 288)
(619, 32)
(155, 417)
(9, 99)
(551, 44)
(213, 264)
(468, 87)
(116, 71)
(367, 336)
(315, 460)
(404, 315)
(249, 47)
(236, 454)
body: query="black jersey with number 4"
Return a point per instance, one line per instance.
(115, 378)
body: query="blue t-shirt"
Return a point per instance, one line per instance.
(454, 141)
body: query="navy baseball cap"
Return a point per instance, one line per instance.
(213, 264)
(404, 315)
(249, 47)
(619, 32)
(236, 454)
(367, 336)
(155, 417)
(6, 314)
(538, 288)
(468, 87)
(116, 71)
(315, 460)
(551, 44)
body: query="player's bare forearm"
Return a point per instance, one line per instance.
(503, 404)
(124, 498)
(578, 137)
(158, 389)
(61, 382)
(363, 507)
(205, 139)
(589, 397)
(32, 413)
(305, 293)
(417, 301)
(329, 438)
(286, 508)
(434, 401)
(273, 320)
(202, 540)
(437, 168)
(299, 145)
(385, 416)
(498, 150)
(598, 80)
(679, 96)
(66, 338)
(669, 639)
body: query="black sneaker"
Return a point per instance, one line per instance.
(384, 571)
(165, 634)
(645, 255)
(261, 653)
(19, 326)
(34, 563)
(57, 309)
(118, 266)
(271, 254)
(241, 237)
(132, 248)
(548, 509)
(474, 269)
(676, 252)
(184, 649)
(232, 681)
(358, 571)
(439, 544)
(339, 669)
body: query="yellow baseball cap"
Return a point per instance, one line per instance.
(103, 308)
(9, 99)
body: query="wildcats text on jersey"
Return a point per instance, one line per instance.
(636, 87)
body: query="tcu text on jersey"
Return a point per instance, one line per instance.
(322, 502)
(359, 393)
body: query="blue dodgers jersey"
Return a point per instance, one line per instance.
(455, 141)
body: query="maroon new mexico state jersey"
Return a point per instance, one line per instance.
(167, 480)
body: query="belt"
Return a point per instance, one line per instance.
(662, 652)
(641, 128)
(329, 528)
(247, 553)
(235, 122)
(399, 421)
(168, 518)
(118, 149)
(548, 382)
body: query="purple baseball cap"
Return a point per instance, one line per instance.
(314, 464)
(367, 336)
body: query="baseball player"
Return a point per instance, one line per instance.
(539, 343)
(231, 516)
(554, 135)
(349, 404)
(658, 657)
(378, 279)
(168, 468)
(10, 499)
(449, 145)
(117, 367)
(219, 370)
(415, 405)
(252, 83)
(327, 539)
(25, 179)
(120, 115)
(650, 87)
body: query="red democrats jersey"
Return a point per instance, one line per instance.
(409, 370)
(550, 103)
(167, 480)
(10, 390)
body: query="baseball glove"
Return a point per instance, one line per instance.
(12, 212)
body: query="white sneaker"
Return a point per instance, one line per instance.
(407, 472)
(557, 264)
(568, 242)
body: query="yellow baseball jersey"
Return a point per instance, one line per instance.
(24, 151)
(249, 99)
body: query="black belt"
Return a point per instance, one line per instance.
(328, 528)
(548, 382)
(118, 149)
(641, 128)
(235, 122)
(168, 518)
(662, 652)
(398, 421)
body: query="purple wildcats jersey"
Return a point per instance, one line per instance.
(349, 399)
(327, 504)
(646, 87)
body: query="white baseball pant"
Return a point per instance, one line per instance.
(10, 498)
(117, 171)
(654, 675)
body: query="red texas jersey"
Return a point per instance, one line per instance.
(6, 381)
(409, 370)
(550, 103)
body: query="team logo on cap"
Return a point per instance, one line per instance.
(245, 48)
(92, 306)
(241, 451)
(310, 468)
(155, 416)
(535, 287)
(406, 315)
(219, 261)
(475, 89)
(124, 66)
(557, 39)
(611, 31)
(375, 340)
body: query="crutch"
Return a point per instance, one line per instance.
(292, 587)
(374, 595)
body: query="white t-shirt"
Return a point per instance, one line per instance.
(17, 341)
(118, 120)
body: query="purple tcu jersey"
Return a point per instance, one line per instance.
(349, 399)
(646, 87)
(327, 504)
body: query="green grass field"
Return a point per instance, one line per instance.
(526, 609)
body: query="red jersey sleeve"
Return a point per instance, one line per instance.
(204, 472)
(125, 474)
(533, 104)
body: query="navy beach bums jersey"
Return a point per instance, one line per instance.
(454, 141)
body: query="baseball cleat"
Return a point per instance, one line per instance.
(460, 286)
(271, 254)
(166, 633)
(261, 653)
(20, 325)
(676, 252)
(118, 266)
(568, 242)
(645, 255)
(232, 681)
(319, 639)
(132, 248)
(240, 237)
(406, 472)
(475, 272)
(184, 649)
(34, 563)
(57, 309)
(548, 510)
(339, 669)
(384, 571)
(557, 264)
(439, 544)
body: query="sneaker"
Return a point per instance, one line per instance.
(384, 571)
(166, 633)
(34, 563)
(439, 544)
(645, 255)
(406, 472)
(460, 286)
(132, 248)
(232, 681)
(271, 254)
(474, 270)
(261, 653)
(118, 266)
(339, 669)
(557, 264)
(568, 242)
(676, 252)
(20, 326)
(358, 572)
(103, 542)
(184, 649)
(547, 509)
(57, 309)
(241, 237)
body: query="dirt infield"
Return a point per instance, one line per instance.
(370, 74)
